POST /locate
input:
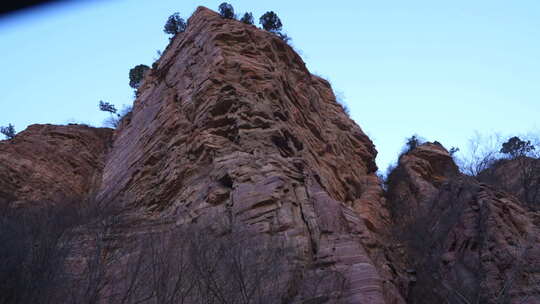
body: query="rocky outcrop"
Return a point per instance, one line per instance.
(232, 131)
(46, 162)
(419, 175)
(519, 176)
(463, 240)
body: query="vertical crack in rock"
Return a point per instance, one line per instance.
(309, 219)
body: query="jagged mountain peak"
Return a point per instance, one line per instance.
(230, 125)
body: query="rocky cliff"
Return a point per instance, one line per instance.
(464, 241)
(232, 130)
(232, 133)
(519, 176)
(46, 162)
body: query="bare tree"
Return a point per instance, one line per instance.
(529, 179)
(85, 253)
(35, 246)
(452, 269)
(194, 265)
(239, 267)
(481, 154)
(98, 240)
(517, 173)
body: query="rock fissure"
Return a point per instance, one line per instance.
(307, 223)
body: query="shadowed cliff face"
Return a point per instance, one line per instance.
(519, 176)
(47, 162)
(466, 242)
(232, 131)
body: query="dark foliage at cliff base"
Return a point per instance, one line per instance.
(75, 252)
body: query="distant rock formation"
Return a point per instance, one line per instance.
(519, 176)
(464, 241)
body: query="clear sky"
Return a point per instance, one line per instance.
(442, 69)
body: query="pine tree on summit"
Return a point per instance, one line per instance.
(175, 24)
(9, 131)
(515, 147)
(271, 22)
(226, 11)
(247, 18)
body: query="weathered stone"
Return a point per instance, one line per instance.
(472, 242)
(46, 162)
(231, 129)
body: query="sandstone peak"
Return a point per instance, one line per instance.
(430, 158)
(420, 172)
(231, 130)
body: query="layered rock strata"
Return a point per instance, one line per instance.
(232, 130)
(464, 240)
(48, 163)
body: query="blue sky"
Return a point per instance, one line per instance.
(441, 69)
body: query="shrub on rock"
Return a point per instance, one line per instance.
(226, 10)
(175, 24)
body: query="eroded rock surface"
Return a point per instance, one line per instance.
(232, 130)
(519, 176)
(47, 162)
(464, 240)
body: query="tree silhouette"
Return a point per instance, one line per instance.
(8, 131)
(247, 18)
(516, 147)
(226, 10)
(136, 75)
(413, 142)
(175, 24)
(271, 22)
(107, 107)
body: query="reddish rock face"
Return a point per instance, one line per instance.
(519, 176)
(464, 240)
(46, 162)
(420, 173)
(232, 131)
